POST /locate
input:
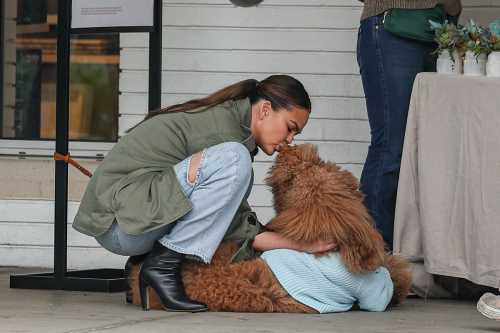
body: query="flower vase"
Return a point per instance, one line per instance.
(475, 66)
(493, 64)
(445, 64)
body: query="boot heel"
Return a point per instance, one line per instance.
(143, 289)
(161, 272)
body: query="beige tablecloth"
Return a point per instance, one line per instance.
(448, 205)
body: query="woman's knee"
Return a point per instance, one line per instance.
(233, 157)
(234, 153)
(238, 155)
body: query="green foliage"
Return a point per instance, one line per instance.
(472, 37)
(494, 40)
(449, 38)
(477, 38)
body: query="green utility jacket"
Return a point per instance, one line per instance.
(136, 182)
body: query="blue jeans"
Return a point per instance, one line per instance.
(224, 178)
(388, 66)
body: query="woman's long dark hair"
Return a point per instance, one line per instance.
(282, 91)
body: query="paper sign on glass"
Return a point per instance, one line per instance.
(112, 13)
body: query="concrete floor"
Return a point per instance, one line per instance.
(24, 310)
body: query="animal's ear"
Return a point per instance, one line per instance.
(293, 224)
(363, 255)
(343, 178)
(304, 212)
(400, 276)
(283, 169)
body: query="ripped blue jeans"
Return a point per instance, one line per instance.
(224, 178)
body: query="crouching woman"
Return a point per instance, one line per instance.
(176, 185)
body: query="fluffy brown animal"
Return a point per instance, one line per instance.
(312, 199)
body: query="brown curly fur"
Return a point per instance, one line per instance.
(246, 286)
(312, 198)
(401, 278)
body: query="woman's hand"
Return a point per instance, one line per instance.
(320, 245)
(270, 241)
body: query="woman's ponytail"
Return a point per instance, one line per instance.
(239, 90)
(283, 91)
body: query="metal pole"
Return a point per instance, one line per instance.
(2, 65)
(102, 280)
(62, 136)
(155, 56)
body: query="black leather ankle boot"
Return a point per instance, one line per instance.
(162, 271)
(129, 265)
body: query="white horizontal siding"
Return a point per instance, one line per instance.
(204, 83)
(43, 256)
(27, 237)
(483, 16)
(480, 3)
(262, 17)
(211, 38)
(280, 3)
(342, 63)
(481, 11)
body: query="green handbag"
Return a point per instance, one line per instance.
(414, 23)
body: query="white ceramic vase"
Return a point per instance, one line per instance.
(446, 66)
(493, 64)
(475, 66)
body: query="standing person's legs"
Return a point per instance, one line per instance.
(388, 66)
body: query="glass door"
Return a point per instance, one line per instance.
(29, 87)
